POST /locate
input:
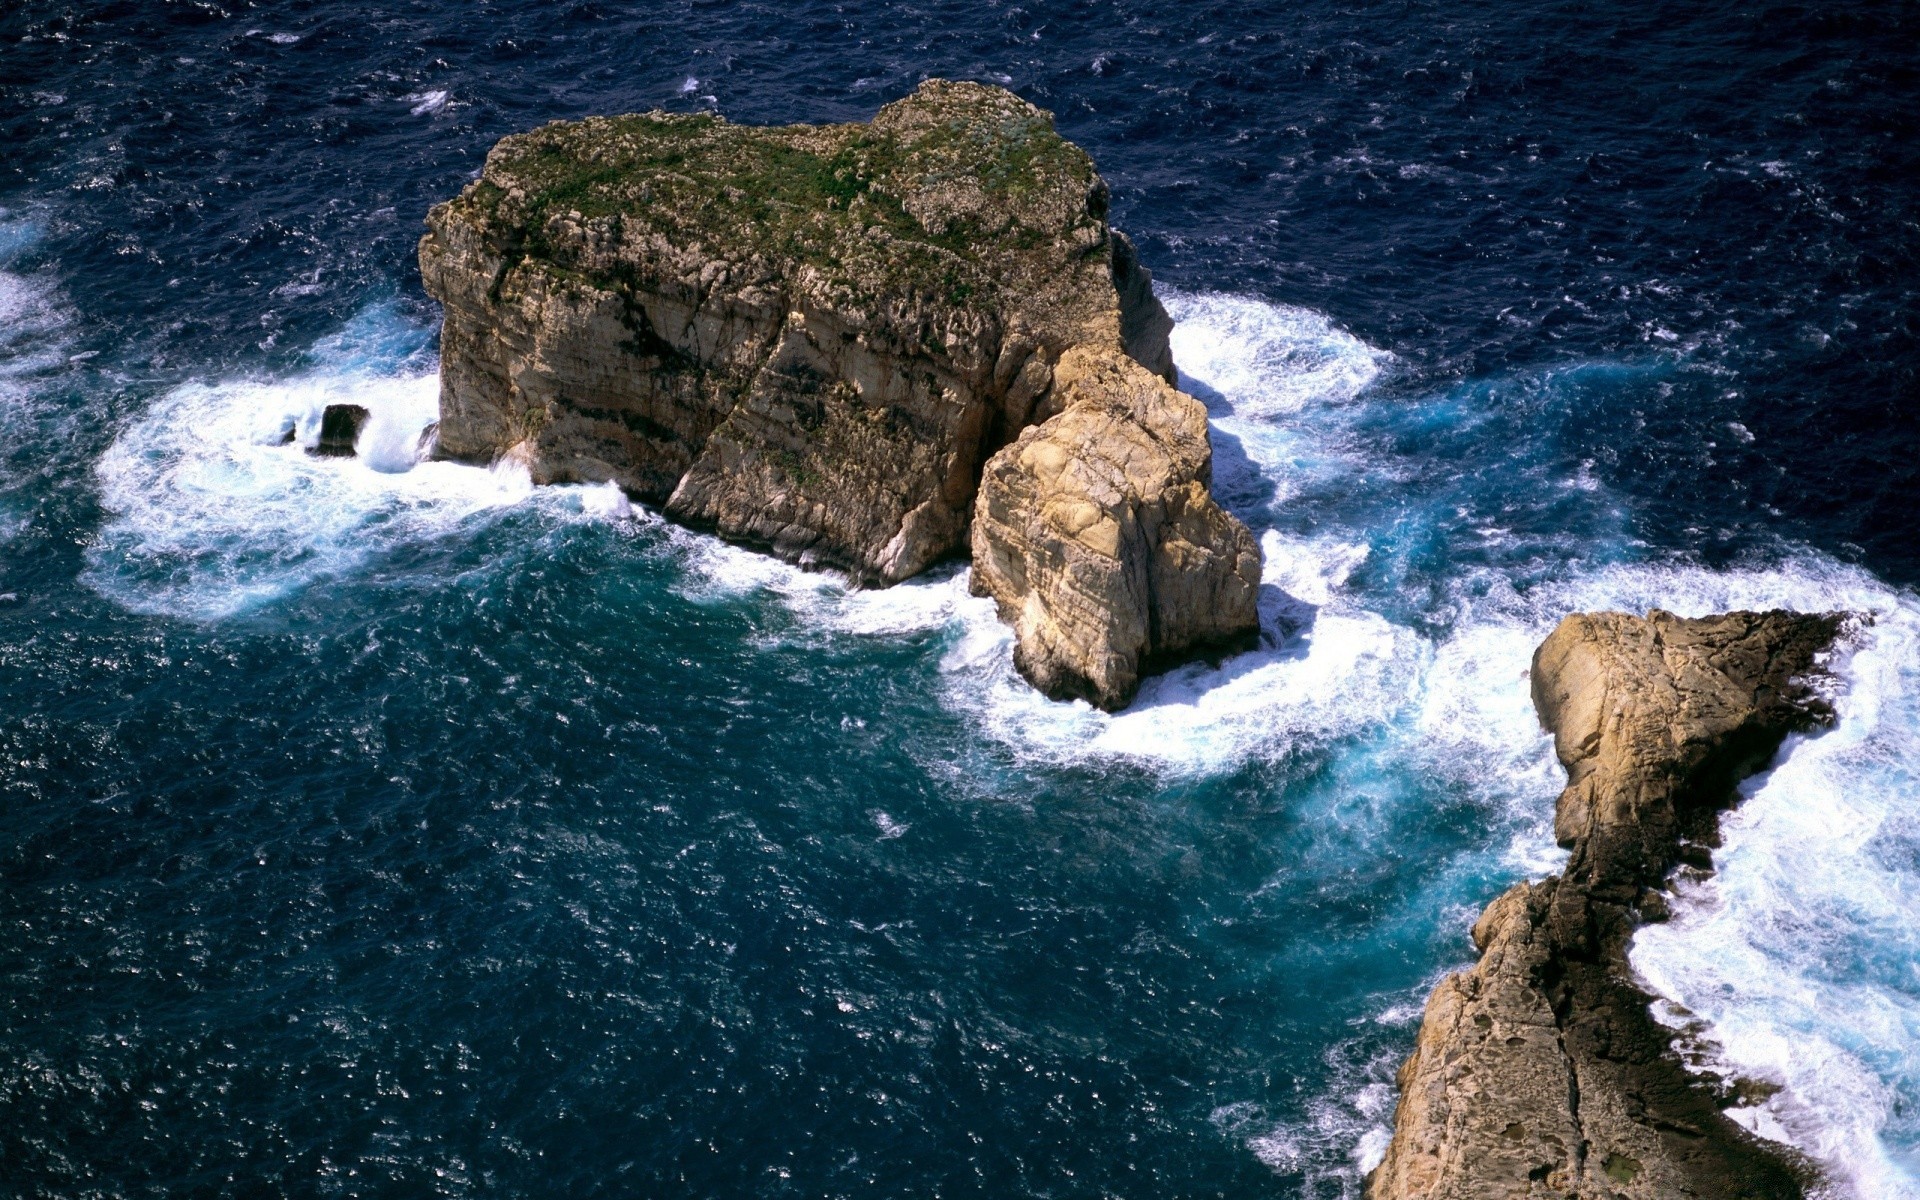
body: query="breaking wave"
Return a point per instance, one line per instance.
(217, 506)
(1796, 965)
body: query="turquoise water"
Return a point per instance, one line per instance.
(481, 786)
(376, 827)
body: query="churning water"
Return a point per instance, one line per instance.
(389, 827)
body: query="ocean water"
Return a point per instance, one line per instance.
(380, 827)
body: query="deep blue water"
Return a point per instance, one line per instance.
(378, 831)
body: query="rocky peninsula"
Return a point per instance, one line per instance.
(1540, 1071)
(867, 347)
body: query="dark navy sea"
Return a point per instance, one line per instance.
(392, 830)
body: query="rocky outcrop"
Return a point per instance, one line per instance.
(340, 426)
(1540, 1072)
(813, 338)
(1096, 535)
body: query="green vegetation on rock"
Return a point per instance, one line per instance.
(940, 201)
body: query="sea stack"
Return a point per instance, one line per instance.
(1540, 1072)
(820, 340)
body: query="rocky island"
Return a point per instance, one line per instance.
(1540, 1072)
(865, 347)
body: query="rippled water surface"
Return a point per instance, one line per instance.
(371, 828)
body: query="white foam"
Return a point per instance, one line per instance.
(1325, 672)
(213, 514)
(606, 501)
(1342, 1135)
(214, 511)
(1309, 684)
(1801, 954)
(1256, 365)
(1269, 360)
(34, 332)
(713, 571)
(425, 103)
(23, 307)
(36, 340)
(34, 318)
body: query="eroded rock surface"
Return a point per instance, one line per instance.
(1096, 535)
(1540, 1072)
(812, 338)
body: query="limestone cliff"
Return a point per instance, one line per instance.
(1096, 535)
(1540, 1072)
(813, 338)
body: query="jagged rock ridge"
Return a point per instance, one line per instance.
(814, 338)
(1540, 1071)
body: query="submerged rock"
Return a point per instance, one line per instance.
(813, 339)
(340, 426)
(1540, 1072)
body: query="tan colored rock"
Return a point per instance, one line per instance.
(812, 338)
(1096, 535)
(804, 338)
(1540, 1072)
(1657, 720)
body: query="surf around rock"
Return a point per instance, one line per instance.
(819, 340)
(1540, 1071)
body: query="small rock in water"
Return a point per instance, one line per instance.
(340, 427)
(429, 442)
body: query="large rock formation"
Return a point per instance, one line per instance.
(813, 338)
(1096, 535)
(1540, 1072)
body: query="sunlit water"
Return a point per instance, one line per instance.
(387, 826)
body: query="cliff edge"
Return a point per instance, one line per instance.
(819, 339)
(1540, 1071)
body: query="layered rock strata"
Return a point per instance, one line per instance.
(1096, 535)
(1540, 1072)
(813, 339)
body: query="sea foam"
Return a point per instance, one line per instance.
(35, 323)
(1797, 963)
(216, 507)
(36, 343)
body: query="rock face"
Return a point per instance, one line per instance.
(340, 426)
(1540, 1072)
(1095, 533)
(813, 338)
